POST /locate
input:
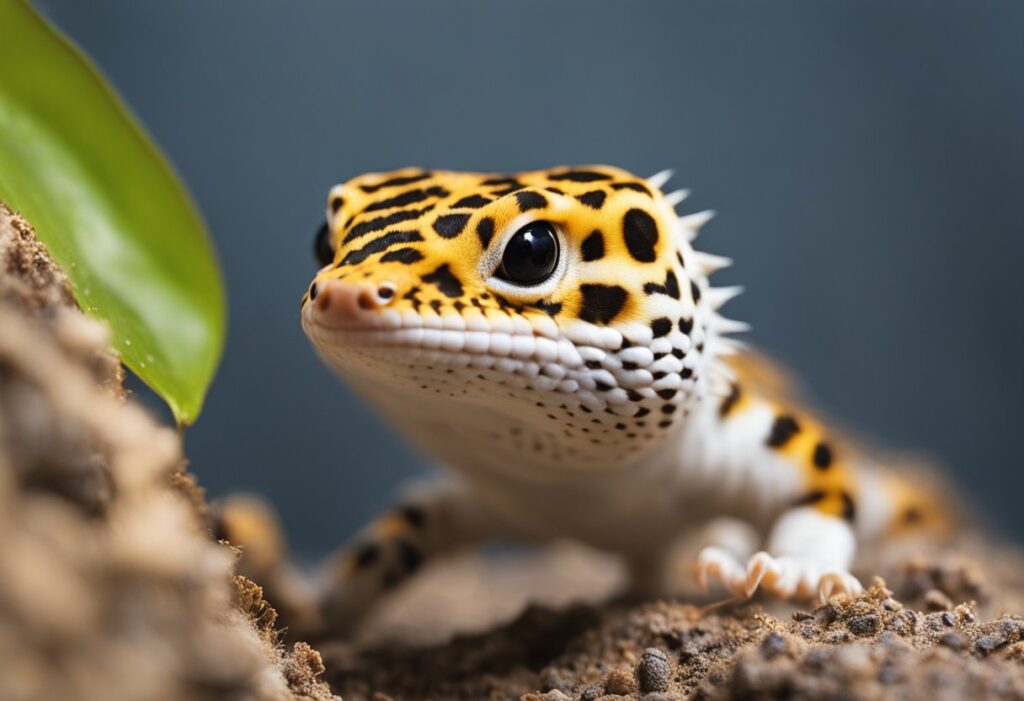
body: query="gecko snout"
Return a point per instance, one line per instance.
(349, 301)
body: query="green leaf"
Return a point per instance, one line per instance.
(111, 211)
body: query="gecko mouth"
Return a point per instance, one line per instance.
(596, 377)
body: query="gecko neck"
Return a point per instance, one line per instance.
(488, 433)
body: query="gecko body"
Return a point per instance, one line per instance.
(552, 338)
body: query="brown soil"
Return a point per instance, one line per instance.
(917, 640)
(111, 586)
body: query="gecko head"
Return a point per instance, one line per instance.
(568, 301)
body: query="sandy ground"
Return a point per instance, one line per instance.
(945, 629)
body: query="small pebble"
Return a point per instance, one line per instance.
(865, 626)
(935, 600)
(552, 678)
(803, 616)
(953, 640)
(619, 682)
(891, 604)
(555, 695)
(654, 673)
(592, 692)
(660, 696)
(773, 645)
(988, 643)
(948, 618)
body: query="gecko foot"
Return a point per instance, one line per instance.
(784, 577)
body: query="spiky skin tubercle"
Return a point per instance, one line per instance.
(612, 380)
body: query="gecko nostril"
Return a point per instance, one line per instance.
(366, 300)
(386, 291)
(312, 292)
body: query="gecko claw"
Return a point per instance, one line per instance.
(716, 563)
(758, 567)
(836, 584)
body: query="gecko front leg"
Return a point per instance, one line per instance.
(793, 471)
(808, 555)
(435, 522)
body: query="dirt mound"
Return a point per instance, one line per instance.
(110, 584)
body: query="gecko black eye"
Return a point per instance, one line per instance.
(530, 255)
(322, 246)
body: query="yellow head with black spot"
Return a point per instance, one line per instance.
(560, 312)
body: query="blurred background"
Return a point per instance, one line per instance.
(866, 160)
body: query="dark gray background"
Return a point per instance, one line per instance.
(866, 160)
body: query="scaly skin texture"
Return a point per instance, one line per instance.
(604, 403)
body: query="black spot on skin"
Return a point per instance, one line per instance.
(394, 182)
(849, 508)
(409, 555)
(670, 288)
(641, 234)
(581, 176)
(822, 456)
(407, 197)
(336, 204)
(641, 412)
(686, 373)
(380, 244)
(593, 364)
(602, 386)
(593, 199)
(695, 291)
(435, 304)
(445, 281)
(668, 409)
(730, 401)
(366, 555)
(414, 515)
(686, 326)
(507, 190)
(912, 515)
(549, 308)
(555, 191)
(661, 326)
(530, 200)
(633, 395)
(381, 223)
(678, 353)
(485, 231)
(783, 429)
(593, 246)
(450, 225)
(402, 255)
(812, 497)
(635, 187)
(666, 393)
(601, 303)
(473, 202)
(629, 365)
